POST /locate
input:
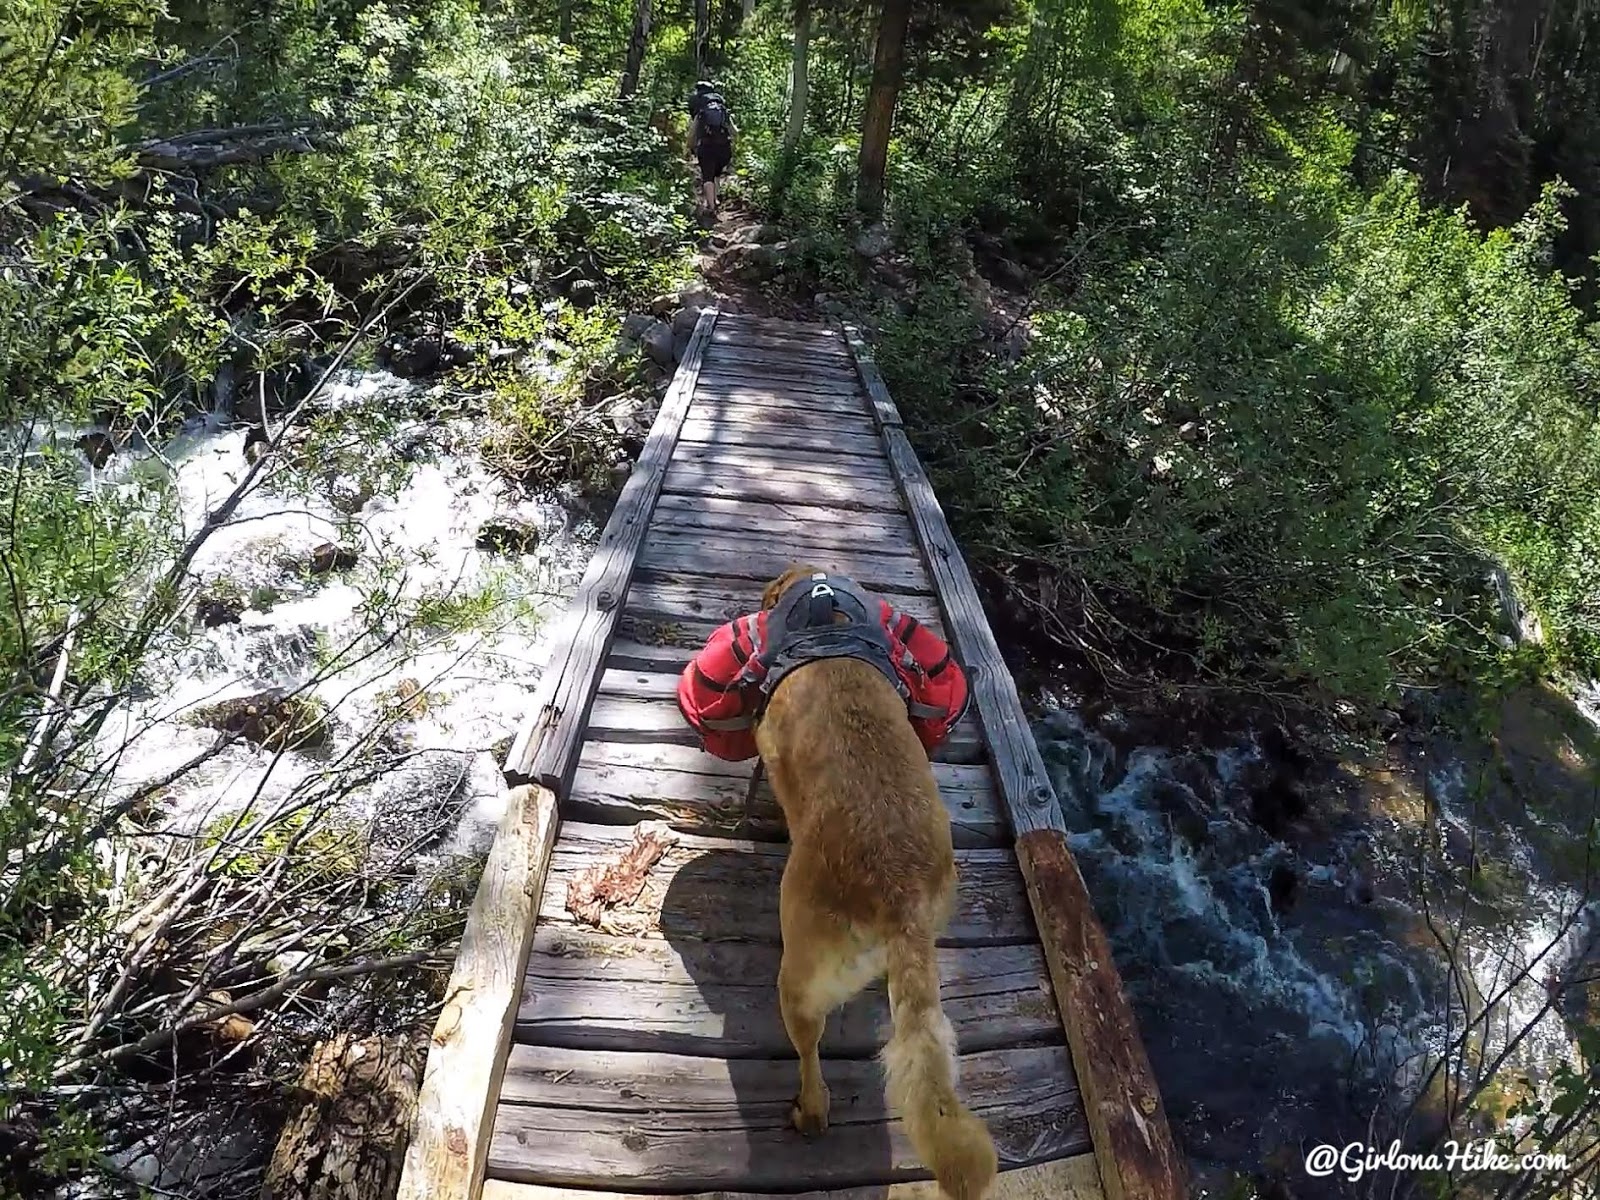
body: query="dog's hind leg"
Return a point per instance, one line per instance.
(823, 965)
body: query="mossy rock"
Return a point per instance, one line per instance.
(273, 720)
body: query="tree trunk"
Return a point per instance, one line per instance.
(636, 44)
(702, 36)
(888, 63)
(564, 22)
(799, 80)
(747, 9)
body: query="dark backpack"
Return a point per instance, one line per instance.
(714, 121)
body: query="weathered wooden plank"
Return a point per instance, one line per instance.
(834, 392)
(1132, 1139)
(780, 517)
(736, 332)
(727, 557)
(779, 325)
(590, 991)
(887, 415)
(724, 805)
(808, 460)
(716, 805)
(619, 719)
(664, 1081)
(722, 432)
(791, 357)
(770, 401)
(1074, 1178)
(461, 1082)
(717, 600)
(753, 1145)
(653, 655)
(720, 889)
(546, 747)
(663, 756)
(687, 479)
(832, 373)
(724, 411)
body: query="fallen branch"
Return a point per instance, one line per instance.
(207, 155)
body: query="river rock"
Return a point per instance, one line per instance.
(685, 319)
(1283, 887)
(425, 355)
(256, 443)
(583, 293)
(273, 719)
(508, 535)
(329, 557)
(756, 263)
(680, 344)
(635, 324)
(656, 342)
(98, 448)
(756, 235)
(217, 608)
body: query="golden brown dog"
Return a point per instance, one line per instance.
(869, 885)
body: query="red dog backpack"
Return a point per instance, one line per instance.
(723, 691)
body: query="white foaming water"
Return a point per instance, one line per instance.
(339, 638)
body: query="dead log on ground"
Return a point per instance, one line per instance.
(347, 1141)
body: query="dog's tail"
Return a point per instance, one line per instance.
(920, 1061)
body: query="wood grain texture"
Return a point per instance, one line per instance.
(780, 518)
(778, 437)
(629, 719)
(663, 756)
(868, 542)
(724, 805)
(830, 393)
(722, 889)
(1074, 1178)
(887, 415)
(461, 1082)
(687, 597)
(1132, 1140)
(781, 487)
(546, 747)
(587, 990)
(758, 559)
(723, 411)
(807, 460)
(828, 361)
(730, 1123)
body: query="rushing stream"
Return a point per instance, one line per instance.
(414, 537)
(418, 609)
(1272, 939)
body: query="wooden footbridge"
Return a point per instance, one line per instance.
(631, 1046)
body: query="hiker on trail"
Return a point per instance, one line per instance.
(711, 134)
